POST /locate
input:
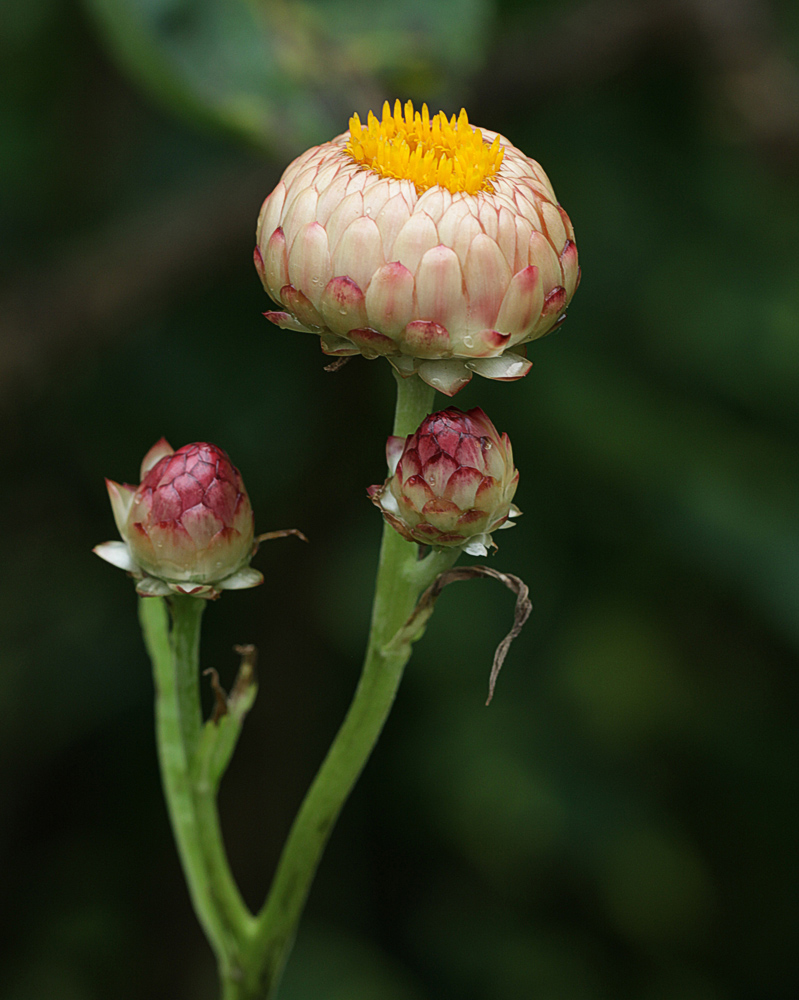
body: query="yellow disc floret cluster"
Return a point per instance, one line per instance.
(445, 151)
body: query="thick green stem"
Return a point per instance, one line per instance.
(399, 583)
(191, 799)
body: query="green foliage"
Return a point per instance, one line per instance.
(279, 73)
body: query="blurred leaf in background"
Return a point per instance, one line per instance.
(620, 823)
(284, 73)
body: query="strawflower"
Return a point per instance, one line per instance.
(433, 243)
(450, 483)
(188, 528)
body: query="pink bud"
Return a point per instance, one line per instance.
(188, 527)
(450, 483)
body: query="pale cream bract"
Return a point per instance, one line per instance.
(443, 283)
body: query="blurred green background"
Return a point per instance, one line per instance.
(619, 824)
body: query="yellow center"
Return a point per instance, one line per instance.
(428, 151)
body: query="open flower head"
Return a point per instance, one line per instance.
(188, 528)
(436, 244)
(450, 483)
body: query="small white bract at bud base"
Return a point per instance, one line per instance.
(425, 240)
(451, 483)
(188, 528)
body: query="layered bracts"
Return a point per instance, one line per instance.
(451, 483)
(433, 243)
(188, 528)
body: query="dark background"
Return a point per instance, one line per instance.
(619, 823)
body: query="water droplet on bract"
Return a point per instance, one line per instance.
(468, 341)
(488, 445)
(343, 312)
(435, 381)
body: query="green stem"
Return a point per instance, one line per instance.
(251, 951)
(399, 583)
(191, 798)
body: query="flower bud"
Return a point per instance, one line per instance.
(188, 528)
(425, 240)
(450, 483)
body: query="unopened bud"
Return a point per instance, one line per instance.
(188, 528)
(450, 483)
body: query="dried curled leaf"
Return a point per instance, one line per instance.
(415, 625)
(338, 364)
(220, 698)
(281, 533)
(221, 732)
